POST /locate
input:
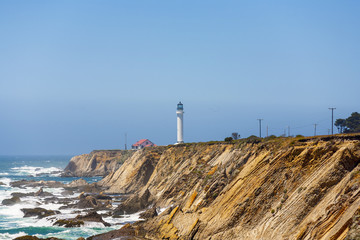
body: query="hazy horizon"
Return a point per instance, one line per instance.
(76, 76)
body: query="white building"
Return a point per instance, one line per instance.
(142, 144)
(180, 123)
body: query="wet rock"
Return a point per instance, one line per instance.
(2, 184)
(134, 204)
(67, 192)
(88, 202)
(69, 223)
(64, 201)
(150, 213)
(11, 201)
(92, 188)
(38, 212)
(102, 196)
(42, 193)
(77, 183)
(39, 193)
(19, 194)
(33, 183)
(28, 237)
(93, 217)
(126, 232)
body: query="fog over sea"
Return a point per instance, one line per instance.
(12, 223)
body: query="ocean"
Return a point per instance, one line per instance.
(12, 222)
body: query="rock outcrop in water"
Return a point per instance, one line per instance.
(282, 188)
(96, 163)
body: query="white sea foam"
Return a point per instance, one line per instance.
(6, 181)
(14, 211)
(36, 171)
(161, 210)
(7, 236)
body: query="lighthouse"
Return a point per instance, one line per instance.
(180, 122)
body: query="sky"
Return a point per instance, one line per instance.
(77, 75)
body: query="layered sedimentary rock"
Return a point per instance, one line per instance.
(96, 163)
(282, 188)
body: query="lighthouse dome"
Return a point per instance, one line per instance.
(180, 106)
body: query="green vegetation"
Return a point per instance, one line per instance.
(228, 139)
(270, 137)
(350, 124)
(125, 155)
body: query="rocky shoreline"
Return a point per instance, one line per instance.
(80, 198)
(251, 188)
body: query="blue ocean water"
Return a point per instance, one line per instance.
(12, 223)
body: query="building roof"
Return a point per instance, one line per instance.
(140, 142)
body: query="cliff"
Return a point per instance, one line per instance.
(96, 163)
(282, 188)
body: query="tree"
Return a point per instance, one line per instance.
(340, 124)
(353, 123)
(235, 135)
(350, 124)
(228, 139)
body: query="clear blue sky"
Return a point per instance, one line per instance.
(76, 75)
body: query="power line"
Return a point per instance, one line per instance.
(288, 131)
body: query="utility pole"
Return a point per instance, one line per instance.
(332, 120)
(288, 131)
(260, 125)
(315, 129)
(267, 130)
(125, 141)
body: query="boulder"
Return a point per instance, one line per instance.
(77, 183)
(19, 194)
(102, 196)
(68, 223)
(67, 192)
(149, 213)
(11, 201)
(93, 217)
(134, 204)
(33, 183)
(88, 202)
(38, 212)
(126, 232)
(29, 237)
(41, 193)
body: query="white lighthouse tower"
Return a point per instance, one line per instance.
(180, 122)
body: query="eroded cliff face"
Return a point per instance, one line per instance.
(96, 163)
(249, 189)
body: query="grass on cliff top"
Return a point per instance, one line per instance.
(275, 139)
(251, 139)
